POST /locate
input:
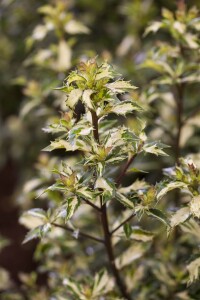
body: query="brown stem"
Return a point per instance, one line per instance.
(125, 168)
(92, 204)
(110, 253)
(107, 234)
(95, 125)
(124, 222)
(82, 234)
(178, 94)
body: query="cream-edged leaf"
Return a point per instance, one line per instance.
(120, 86)
(154, 27)
(75, 27)
(195, 206)
(102, 284)
(193, 269)
(171, 186)
(124, 108)
(86, 98)
(63, 62)
(131, 254)
(158, 214)
(124, 200)
(72, 205)
(154, 148)
(102, 183)
(180, 216)
(73, 98)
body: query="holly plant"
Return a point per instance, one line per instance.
(93, 228)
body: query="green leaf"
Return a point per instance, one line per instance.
(158, 214)
(167, 14)
(140, 234)
(135, 170)
(127, 230)
(64, 88)
(73, 98)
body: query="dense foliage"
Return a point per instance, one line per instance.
(114, 199)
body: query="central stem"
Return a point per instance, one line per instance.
(179, 105)
(105, 226)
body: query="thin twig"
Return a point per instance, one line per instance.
(95, 125)
(82, 234)
(178, 92)
(124, 222)
(92, 204)
(125, 168)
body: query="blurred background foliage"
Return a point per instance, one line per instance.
(40, 42)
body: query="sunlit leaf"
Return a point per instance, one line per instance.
(73, 98)
(194, 269)
(120, 86)
(171, 186)
(195, 206)
(180, 216)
